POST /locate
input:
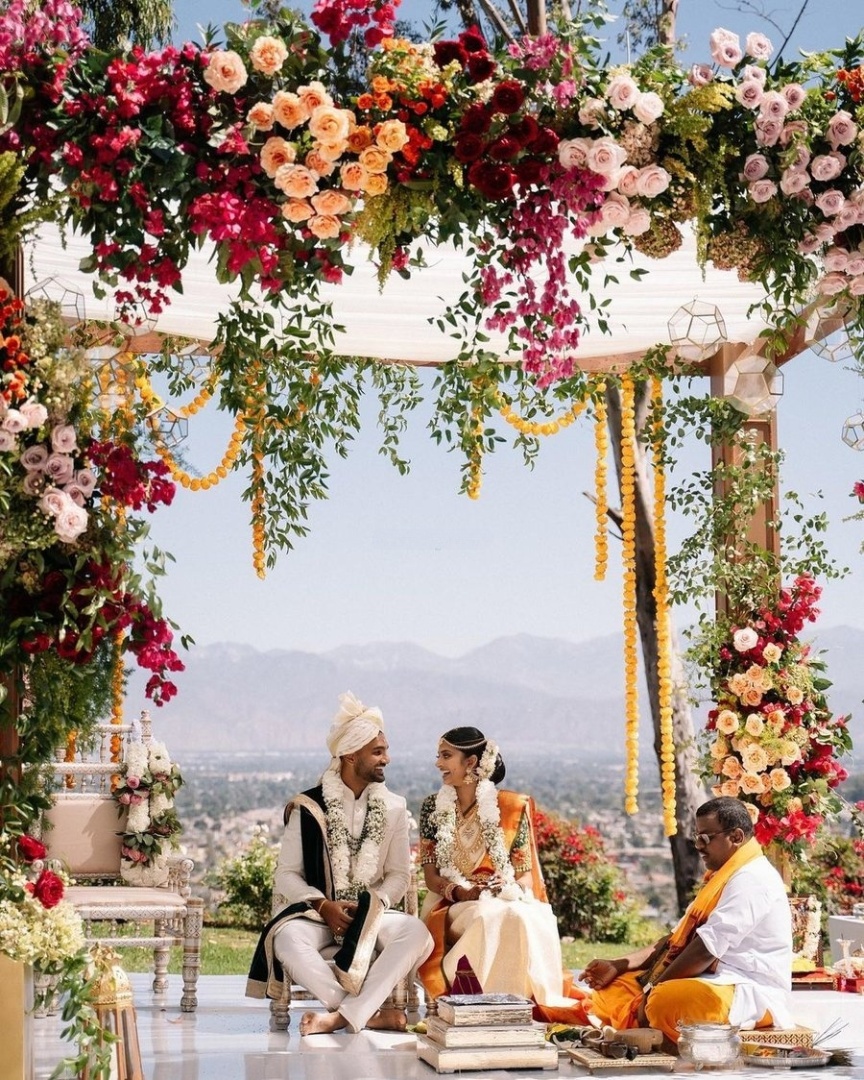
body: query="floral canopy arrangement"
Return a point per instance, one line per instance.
(771, 740)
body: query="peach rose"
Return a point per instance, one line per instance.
(225, 71)
(329, 125)
(779, 779)
(794, 695)
(751, 784)
(275, 153)
(268, 54)
(314, 96)
(776, 718)
(289, 110)
(790, 752)
(260, 116)
(729, 788)
(375, 159)
(297, 210)
(754, 725)
(325, 226)
(717, 790)
(332, 151)
(360, 138)
(738, 684)
(376, 184)
(727, 722)
(353, 176)
(752, 696)
(753, 811)
(331, 202)
(719, 748)
(296, 181)
(317, 163)
(794, 805)
(731, 767)
(391, 135)
(754, 758)
(771, 653)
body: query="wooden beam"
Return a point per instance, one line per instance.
(536, 17)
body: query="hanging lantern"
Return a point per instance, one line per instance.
(69, 298)
(134, 320)
(169, 427)
(753, 384)
(853, 432)
(826, 333)
(697, 330)
(111, 998)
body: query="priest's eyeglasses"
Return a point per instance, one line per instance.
(703, 839)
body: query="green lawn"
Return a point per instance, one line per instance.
(228, 952)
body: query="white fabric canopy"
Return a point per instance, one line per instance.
(394, 323)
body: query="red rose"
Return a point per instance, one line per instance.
(504, 148)
(31, 849)
(481, 68)
(48, 889)
(446, 52)
(525, 130)
(531, 172)
(476, 119)
(545, 143)
(507, 97)
(491, 180)
(472, 40)
(468, 147)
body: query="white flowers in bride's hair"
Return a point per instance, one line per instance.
(488, 761)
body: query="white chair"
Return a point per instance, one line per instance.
(404, 995)
(83, 829)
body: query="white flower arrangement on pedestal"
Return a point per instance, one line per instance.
(149, 780)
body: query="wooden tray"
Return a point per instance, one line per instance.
(593, 1059)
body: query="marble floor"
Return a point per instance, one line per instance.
(228, 1038)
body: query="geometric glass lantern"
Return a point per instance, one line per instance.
(826, 333)
(697, 330)
(170, 427)
(853, 431)
(69, 298)
(133, 320)
(753, 384)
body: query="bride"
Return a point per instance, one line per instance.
(486, 900)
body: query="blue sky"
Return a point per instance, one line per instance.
(408, 558)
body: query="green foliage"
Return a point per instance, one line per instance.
(832, 871)
(247, 881)
(586, 889)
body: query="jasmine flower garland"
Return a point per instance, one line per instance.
(490, 822)
(150, 780)
(349, 882)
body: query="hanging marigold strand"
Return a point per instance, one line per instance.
(259, 532)
(475, 459)
(601, 497)
(118, 685)
(661, 598)
(628, 528)
(204, 483)
(545, 427)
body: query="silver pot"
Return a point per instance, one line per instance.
(709, 1046)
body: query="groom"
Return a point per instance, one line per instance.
(344, 858)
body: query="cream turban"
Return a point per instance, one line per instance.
(353, 726)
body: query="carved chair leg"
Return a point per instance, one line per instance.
(160, 959)
(280, 1016)
(192, 926)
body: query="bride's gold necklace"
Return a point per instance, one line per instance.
(468, 846)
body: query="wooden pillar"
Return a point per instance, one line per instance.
(536, 17)
(758, 430)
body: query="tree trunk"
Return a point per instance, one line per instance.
(689, 793)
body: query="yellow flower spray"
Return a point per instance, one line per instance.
(601, 497)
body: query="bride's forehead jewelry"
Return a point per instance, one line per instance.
(466, 746)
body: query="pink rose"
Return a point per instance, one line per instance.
(700, 75)
(836, 259)
(725, 48)
(768, 130)
(752, 73)
(749, 93)
(855, 265)
(648, 107)
(824, 232)
(653, 180)
(848, 216)
(773, 105)
(762, 190)
(638, 222)
(34, 457)
(758, 46)
(34, 414)
(225, 71)
(615, 211)
(827, 166)
(573, 153)
(831, 285)
(622, 92)
(75, 494)
(856, 286)
(70, 522)
(809, 244)
(54, 501)
(628, 180)
(59, 468)
(8, 442)
(133, 782)
(831, 202)
(755, 167)
(63, 439)
(842, 129)
(34, 482)
(795, 95)
(86, 480)
(14, 422)
(592, 112)
(605, 156)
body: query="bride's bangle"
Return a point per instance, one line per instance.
(450, 892)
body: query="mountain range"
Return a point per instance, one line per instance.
(529, 693)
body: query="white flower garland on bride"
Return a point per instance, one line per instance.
(490, 824)
(348, 884)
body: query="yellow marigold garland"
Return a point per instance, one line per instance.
(628, 528)
(661, 599)
(601, 498)
(259, 531)
(545, 427)
(203, 483)
(475, 459)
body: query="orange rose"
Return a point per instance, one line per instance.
(329, 125)
(360, 138)
(325, 226)
(731, 767)
(275, 153)
(375, 159)
(727, 722)
(754, 724)
(289, 110)
(381, 84)
(314, 96)
(331, 202)
(751, 784)
(376, 184)
(225, 71)
(752, 696)
(779, 779)
(331, 151)
(316, 161)
(391, 135)
(260, 116)
(730, 788)
(365, 102)
(383, 102)
(297, 210)
(268, 54)
(296, 181)
(353, 176)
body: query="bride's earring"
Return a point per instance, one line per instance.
(471, 777)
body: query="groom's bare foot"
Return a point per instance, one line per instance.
(312, 1023)
(388, 1020)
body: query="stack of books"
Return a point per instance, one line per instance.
(485, 1031)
